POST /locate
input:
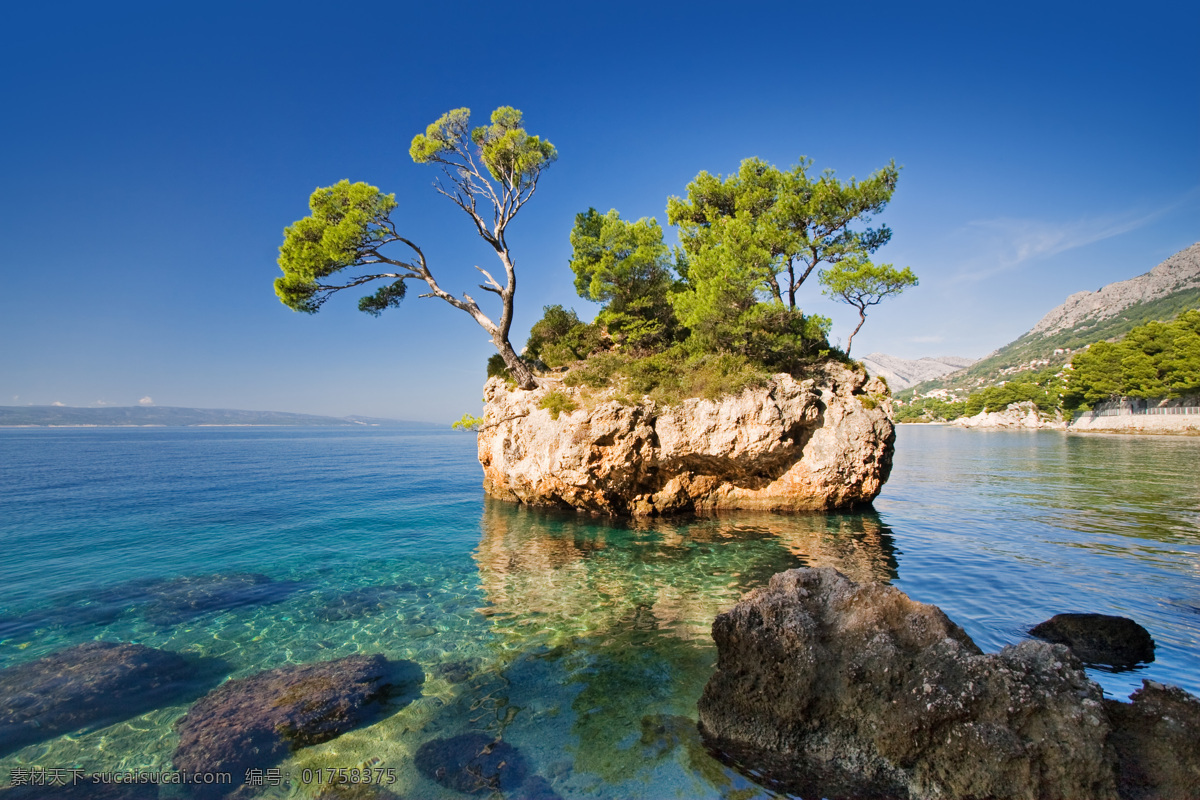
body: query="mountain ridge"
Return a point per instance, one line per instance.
(1162, 293)
(902, 373)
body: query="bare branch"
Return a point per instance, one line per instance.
(502, 421)
(488, 275)
(359, 281)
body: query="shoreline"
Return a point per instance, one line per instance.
(1132, 430)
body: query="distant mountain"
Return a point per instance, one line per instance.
(1179, 274)
(1109, 313)
(901, 373)
(44, 416)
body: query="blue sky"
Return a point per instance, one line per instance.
(151, 155)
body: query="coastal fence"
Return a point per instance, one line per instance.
(1126, 411)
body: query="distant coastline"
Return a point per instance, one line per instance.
(172, 417)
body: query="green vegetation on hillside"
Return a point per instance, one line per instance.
(1012, 361)
(1154, 361)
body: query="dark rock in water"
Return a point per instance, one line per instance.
(177, 600)
(1157, 740)
(254, 722)
(457, 671)
(358, 603)
(825, 687)
(162, 601)
(356, 791)
(83, 789)
(86, 686)
(65, 616)
(1116, 642)
(472, 763)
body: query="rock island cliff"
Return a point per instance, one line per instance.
(821, 443)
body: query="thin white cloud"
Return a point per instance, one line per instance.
(1007, 243)
(56, 403)
(100, 403)
(146, 401)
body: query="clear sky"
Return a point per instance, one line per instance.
(151, 154)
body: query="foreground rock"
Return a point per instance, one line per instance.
(86, 686)
(822, 443)
(1116, 642)
(831, 688)
(255, 722)
(1157, 739)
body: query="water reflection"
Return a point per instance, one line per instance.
(622, 610)
(568, 575)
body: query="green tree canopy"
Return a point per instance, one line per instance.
(1153, 361)
(626, 267)
(782, 224)
(857, 282)
(491, 172)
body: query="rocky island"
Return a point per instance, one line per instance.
(821, 443)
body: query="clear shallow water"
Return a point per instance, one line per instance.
(583, 642)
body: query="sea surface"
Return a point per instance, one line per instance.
(583, 643)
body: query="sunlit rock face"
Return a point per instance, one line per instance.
(819, 444)
(830, 688)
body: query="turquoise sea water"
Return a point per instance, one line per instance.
(582, 642)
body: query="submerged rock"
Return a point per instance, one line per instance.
(162, 601)
(833, 688)
(457, 671)
(473, 763)
(87, 787)
(1116, 642)
(358, 603)
(821, 443)
(86, 686)
(256, 721)
(176, 600)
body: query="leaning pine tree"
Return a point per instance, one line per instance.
(492, 171)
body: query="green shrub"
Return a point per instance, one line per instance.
(556, 402)
(496, 368)
(468, 423)
(559, 338)
(597, 372)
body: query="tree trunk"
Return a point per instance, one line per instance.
(791, 286)
(862, 317)
(516, 367)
